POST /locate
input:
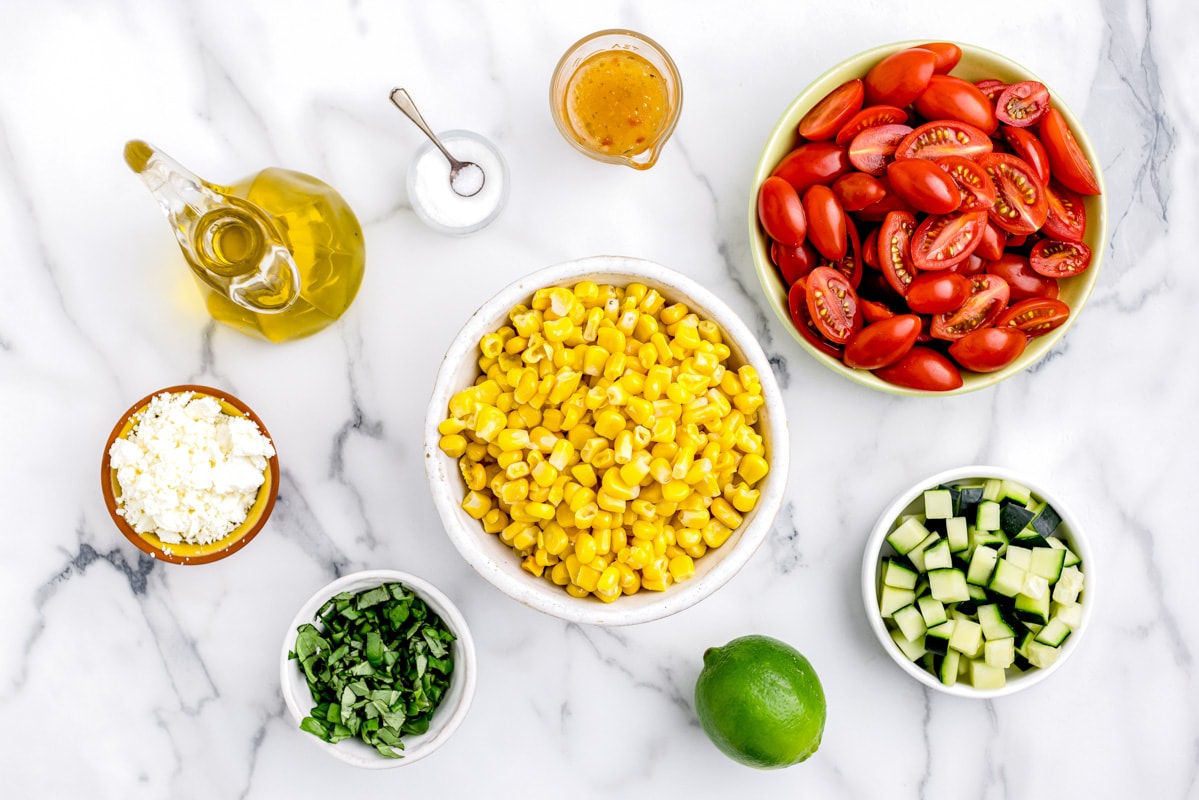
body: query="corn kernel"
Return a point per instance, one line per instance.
(584, 547)
(544, 474)
(609, 581)
(448, 427)
(609, 422)
(725, 513)
(453, 445)
(584, 474)
(682, 567)
(594, 361)
(561, 455)
(716, 533)
(588, 578)
(514, 491)
(609, 503)
(637, 468)
(526, 539)
(753, 468)
(495, 521)
(559, 575)
(672, 314)
(744, 499)
(641, 411)
(476, 504)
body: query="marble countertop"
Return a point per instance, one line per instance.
(122, 677)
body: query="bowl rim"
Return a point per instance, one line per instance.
(293, 685)
(213, 551)
(872, 557)
(553, 600)
(1038, 348)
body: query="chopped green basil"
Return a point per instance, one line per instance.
(378, 667)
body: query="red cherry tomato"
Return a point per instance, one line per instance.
(851, 264)
(942, 241)
(1020, 206)
(992, 244)
(871, 149)
(991, 89)
(832, 304)
(870, 117)
(988, 349)
(900, 77)
(793, 262)
(941, 138)
(1015, 242)
(1066, 160)
(981, 309)
(895, 250)
(1057, 259)
(870, 250)
(882, 343)
(857, 190)
(878, 211)
(812, 163)
(948, 55)
(938, 292)
(923, 185)
(1022, 104)
(973, 265)
(825, 118)
(924, 369)
(1035, 316)
(948, 97)
(1022, 282)
(1029, 149)
(978, 193)
(1067, 218)
(826, 222)
(874, 312)
(781, 212)
(797, 304)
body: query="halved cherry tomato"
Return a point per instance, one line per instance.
(1034, 316)
(832, 304)
(825, 118)
(891, 202)
(874, 312)
(870, 250)
(895, 250)
(1028, 148)
(942, 241)
(948, 55)
(826, 222)
(988, 349)
(851, 264)
(1067, 215)
(941, 138)
(812, 163)
(948, 97)
(973, 265)
(1022, 282)
(1020, 206)
(993, 241)
(923, 368)
(1022, 104)
(1066, 160)
(938, 292)
(793, 262)
(870, 117)
(991, 89)
(1057, 259)
(797, 304)
(923, 185)
(900, 77)
(882, 343)
(858, 190)
(978, 193)
(871, 149)
(781, 212)
(981, 309)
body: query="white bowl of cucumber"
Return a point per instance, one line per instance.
(978, 582)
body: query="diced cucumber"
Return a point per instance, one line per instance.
(1072, 559)
(993, 623)
(991, 487)
(938, 504)
(937, 556)
(891, 600)
(909, 534)
(988, 516)
(1069, 585)
(969, 499)
(1013, 517)
(966, 638)
(982, 564)
(1032, 609)
(912, 650)
(1054, 633)
(1048, 562)
(957, 533)
(1069, 613)
(1000, 653)
(1029, 539)
(1020, 556)
(932, 609)
(984, 676)
(1035, 586)
(1007, 579)
(916, 554)
(977, 593)
(1011, 490)
(949, 667)
(1042, 655)
(996, 540)
(1046, 522)
(898, 575)
(910, 622)
(948, 585)
(936, 640)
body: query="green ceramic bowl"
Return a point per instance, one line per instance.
(977, 63)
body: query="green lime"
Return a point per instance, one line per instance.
(760, 702)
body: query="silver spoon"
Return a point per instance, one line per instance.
(466, 177)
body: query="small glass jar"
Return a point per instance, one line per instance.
(436, 202)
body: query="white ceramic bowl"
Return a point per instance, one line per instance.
(906, 503)
(498, 563)
(448, 715)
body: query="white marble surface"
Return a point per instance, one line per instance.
(125, 678)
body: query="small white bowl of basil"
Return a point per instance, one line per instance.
(378, 669)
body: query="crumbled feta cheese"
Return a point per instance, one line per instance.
(189, 472)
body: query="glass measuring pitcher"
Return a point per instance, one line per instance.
(278, 255)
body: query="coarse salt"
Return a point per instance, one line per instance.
(189, 472)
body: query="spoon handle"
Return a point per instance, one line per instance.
(404, 103)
